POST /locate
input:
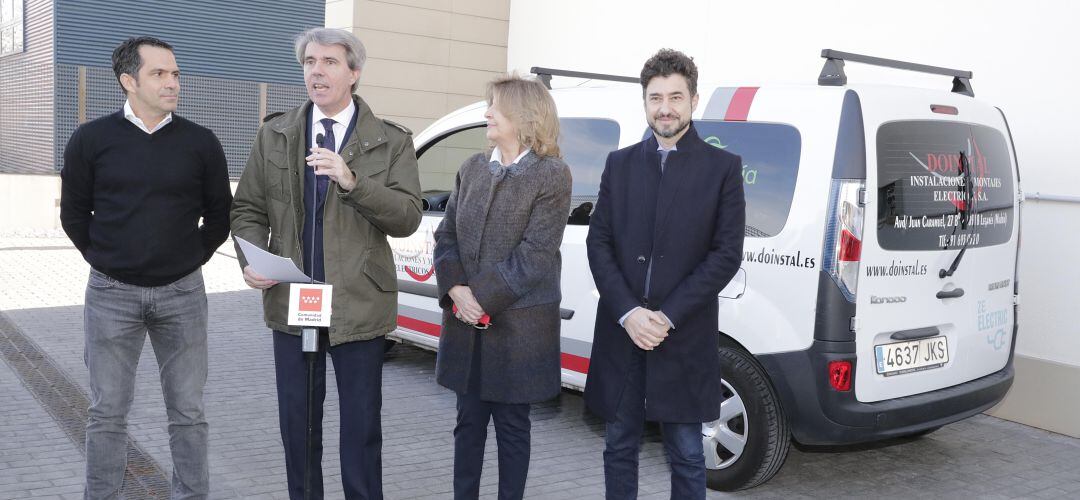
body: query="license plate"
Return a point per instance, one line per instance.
(911, 356)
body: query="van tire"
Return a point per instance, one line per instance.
(763, 425)
(924, 432)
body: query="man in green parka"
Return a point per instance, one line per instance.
(325, 184)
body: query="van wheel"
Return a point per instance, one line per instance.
(388, 345)
(748, 443)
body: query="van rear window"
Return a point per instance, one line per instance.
(925, 202)
(770, 154)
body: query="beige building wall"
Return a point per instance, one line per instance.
(29, 202)
(425, 57)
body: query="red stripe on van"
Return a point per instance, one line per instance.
(569, 361)
(575, 363)
(420, 326)
(739, 108)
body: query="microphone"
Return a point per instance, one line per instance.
(309, 339)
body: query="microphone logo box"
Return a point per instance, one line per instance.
(310, 300)
(309, 305)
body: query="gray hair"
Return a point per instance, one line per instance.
(355, 54)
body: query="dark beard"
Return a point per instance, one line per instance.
(673, 133)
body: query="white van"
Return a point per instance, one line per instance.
(877, 295)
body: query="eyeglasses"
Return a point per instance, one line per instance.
(483, 324)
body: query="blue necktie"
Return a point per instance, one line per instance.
(323, 181)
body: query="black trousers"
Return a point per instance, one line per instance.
(358, 370)
(512, 433)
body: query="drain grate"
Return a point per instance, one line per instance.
(67, 404)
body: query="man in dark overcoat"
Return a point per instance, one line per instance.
(664, 240)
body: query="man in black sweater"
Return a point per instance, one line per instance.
(135, 184)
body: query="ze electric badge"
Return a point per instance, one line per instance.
(309, 305)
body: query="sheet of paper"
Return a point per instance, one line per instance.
(270, 266)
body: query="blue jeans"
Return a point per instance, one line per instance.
(358, 371)
(117, 318)
(512, 433)
(622, 443)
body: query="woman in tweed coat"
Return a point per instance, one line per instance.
(497, 255)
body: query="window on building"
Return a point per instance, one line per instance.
(11, 27)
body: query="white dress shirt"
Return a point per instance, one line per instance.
(496, 155)
(341, 124)
(130, 115)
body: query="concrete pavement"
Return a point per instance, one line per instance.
(43, 388)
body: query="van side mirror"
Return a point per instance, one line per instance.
(580, 215)
(435, 201)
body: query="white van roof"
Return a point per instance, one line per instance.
(740, 102)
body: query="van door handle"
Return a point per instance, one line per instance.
(915, 333)
(951, 294)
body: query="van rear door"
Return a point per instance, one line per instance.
(941, 192)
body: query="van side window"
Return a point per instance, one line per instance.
(770, 155)
(440, 160)
(584, 142)
(925, 200)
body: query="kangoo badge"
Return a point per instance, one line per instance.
(309, 305)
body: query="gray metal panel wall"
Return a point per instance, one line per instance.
(281, 98)
(237, 40)
(66, 116)
(230, 108)
(26, 96)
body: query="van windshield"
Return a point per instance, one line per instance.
(924, 202)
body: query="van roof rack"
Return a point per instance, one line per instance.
(832, 74)
(545, 74)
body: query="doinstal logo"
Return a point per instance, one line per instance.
(948, 164)
(420, 276)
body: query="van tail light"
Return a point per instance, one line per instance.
(844, 234)
(850, 247)
(840, 375)
(943, 109)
